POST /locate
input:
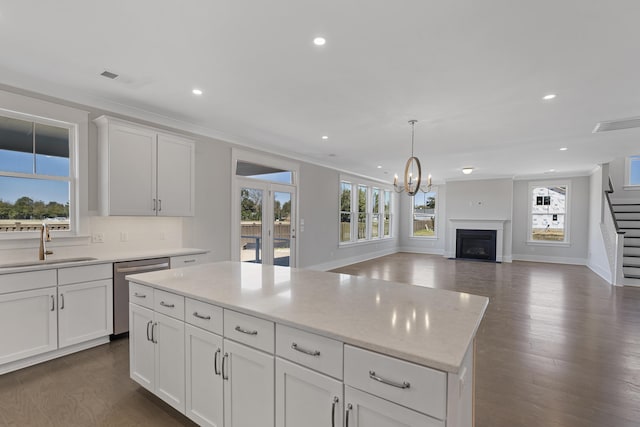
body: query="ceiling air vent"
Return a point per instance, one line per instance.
(630, 123)
(108, 74)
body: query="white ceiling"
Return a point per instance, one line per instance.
(472, 73)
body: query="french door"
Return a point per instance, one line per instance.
(267, 222)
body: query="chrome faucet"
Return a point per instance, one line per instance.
(44, 238)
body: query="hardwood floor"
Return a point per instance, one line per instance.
(558, 347)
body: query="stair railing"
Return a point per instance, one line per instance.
(614, 239)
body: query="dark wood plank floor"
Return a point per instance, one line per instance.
(558, 347)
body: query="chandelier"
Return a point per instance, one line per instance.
(412, 172)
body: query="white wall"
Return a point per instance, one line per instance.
(597, 259)
(579, 208)
(485, 199)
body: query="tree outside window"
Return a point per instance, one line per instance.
(424, 215)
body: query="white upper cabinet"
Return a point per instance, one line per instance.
(144, 171)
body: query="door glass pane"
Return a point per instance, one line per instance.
(251, 225)
(16, 145)
(263, 173)
(281, 228)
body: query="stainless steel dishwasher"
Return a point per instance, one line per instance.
(121, 288)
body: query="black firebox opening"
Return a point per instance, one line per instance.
(476, 244)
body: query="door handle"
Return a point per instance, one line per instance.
(215, 362)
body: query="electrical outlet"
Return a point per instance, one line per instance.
(97, 238)
(124, 236)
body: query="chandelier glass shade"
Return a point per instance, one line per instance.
(412, 172)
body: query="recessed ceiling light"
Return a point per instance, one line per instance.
(552, 170)
(325, 137)
(549, 96)
(467, 170)
(564, 149)
(379, 166)
(197, 92)
(319, 41)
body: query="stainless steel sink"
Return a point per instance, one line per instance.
(46, 262)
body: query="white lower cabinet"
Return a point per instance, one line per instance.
(204, 388)
(248, 386)
(306, 398)
(157, 354)
(85, 311)
(28, 324)
(366, 410)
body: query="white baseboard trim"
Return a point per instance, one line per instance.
(549, 259)
(326, 266)
(34, 360)
(426, 251)
(601, 271)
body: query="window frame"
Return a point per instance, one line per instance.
(627, 172)
(72, 178)
(436, 221)
(355, 186)
(567, 219)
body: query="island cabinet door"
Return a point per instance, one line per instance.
(168, 337)
(28, 324)
(248, 386)
(306, 398)
(141, 347)
(203, 369)
(365, 410)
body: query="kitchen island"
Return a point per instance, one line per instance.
(282, 346)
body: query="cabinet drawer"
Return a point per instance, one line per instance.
(28, 280)
(141, 295)
(187, 260)
(168, 303)
(414, 386)
(258, 333)
(311, 350)
(207, 316)
(86, 273)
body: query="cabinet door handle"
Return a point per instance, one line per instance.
(159, 205)
(246, 331)
(61, 301)
(153, 333)
(349, 408)
(135, 294)
(53, 303)
(314, 353)
(164, 304)
(333, 410)
(403, 384)
(200, 316)
(224, 358)
(215, 362)
(149, 324)
(155, 205)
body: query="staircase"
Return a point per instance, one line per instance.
(627, 216)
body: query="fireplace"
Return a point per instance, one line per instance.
(476, 244)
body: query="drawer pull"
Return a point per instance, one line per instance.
(200, 316)
(333, 410)
(186, 261)
(246, 331)
(164, 304)
(135, 294)
(315, 353)
(403, 384)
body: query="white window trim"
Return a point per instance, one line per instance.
(627, 174)
(567, 219)
(434, 189)
(44, 112)
(355, 183)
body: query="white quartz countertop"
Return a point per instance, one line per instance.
(101, 257)
(430, 327)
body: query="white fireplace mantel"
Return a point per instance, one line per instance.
(476, 224)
